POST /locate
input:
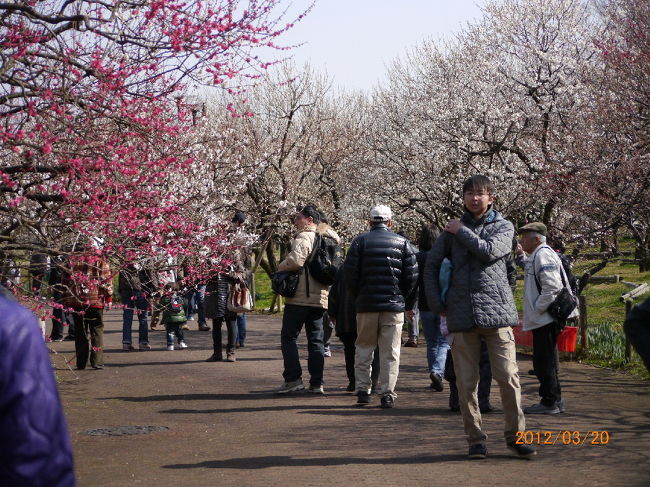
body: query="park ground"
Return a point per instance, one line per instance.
(220, 424)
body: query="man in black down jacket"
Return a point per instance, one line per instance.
(381, 273)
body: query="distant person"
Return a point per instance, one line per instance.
(34, 440)
(637, 329)
(88, 284)
(173, 316)
(136, 286)
(479, 305)
(342, 313)
(437, 345)
(381, 273)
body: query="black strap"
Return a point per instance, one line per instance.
(539, 287)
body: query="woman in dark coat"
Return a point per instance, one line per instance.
(216, 308)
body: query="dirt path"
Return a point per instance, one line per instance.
(226, 428)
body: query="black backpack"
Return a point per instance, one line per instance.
(325, 259)
(175, 304)
(566, 265)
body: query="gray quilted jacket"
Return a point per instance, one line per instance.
(479, 294)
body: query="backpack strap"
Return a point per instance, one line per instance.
(539, 286)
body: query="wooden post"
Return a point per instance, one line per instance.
(582, 322)
(628, 347)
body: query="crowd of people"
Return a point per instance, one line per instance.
(457, 283)
(460, 282)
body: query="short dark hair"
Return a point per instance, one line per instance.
(239, 217)
(311, 211)
(428, 234)
(478, 182)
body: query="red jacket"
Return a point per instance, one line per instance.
(87, 282)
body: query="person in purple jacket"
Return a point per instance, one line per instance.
(34, 440)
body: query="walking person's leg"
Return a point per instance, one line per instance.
(241, 329)
(390, 332)
(81, 346)
(128, 302)
(367, 336)
(314, 323)
(217, 349)
(95, 320)
(141, 305)
(231, 326)
(466, 351)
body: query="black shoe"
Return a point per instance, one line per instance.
(69, 338)
(214, 358)
(454, 409)
(531, 372)
(387, 401)
(487, 408)
(477, 452)
(523, 451)
(436, 382)
(204, 328)
(56, 339)
(351, 387)
(363, 398)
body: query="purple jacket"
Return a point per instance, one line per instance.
(34, 441)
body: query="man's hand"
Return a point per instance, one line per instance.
(333, 320)
(453, 226)
(519, 250)
(410, 315)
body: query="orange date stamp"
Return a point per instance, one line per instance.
(563, 437)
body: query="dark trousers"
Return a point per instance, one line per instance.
(292, 322)
(174, 329)
(60, 319)
(349, 349)
(484, 383)
(546, 363)
(231, 326)
(89, 336)
(241, 329)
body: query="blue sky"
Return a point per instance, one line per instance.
(354, 40)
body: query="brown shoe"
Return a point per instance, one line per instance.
(412, 343)
(230, 357)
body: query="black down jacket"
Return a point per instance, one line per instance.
(381, 271)
(216, 297)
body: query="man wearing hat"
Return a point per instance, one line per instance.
(381, 272)
(543, 280)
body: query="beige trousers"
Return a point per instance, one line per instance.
(383, 330)
(466, 351)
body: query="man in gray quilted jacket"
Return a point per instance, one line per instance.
(479, 303)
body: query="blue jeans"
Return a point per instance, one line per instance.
(134, 300)
(437, 346)
(191, 300)
(241, 328)
(199, 303)
(292, 322)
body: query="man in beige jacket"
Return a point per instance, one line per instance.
(306, 308)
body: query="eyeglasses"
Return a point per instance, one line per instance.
(471, 194)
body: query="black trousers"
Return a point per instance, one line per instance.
(231, 325)
(89, 336)
(546, 363)
(349, 349)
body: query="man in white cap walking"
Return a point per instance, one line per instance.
(381, 272)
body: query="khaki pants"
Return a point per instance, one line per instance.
(383, 330)
(466, 352)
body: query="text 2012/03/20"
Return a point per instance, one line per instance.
(563, 437)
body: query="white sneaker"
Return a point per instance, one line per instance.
(287, 387)
(170, 348)
(182, 345)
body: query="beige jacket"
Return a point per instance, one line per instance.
(301, 247)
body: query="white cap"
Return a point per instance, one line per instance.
(380, 213)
